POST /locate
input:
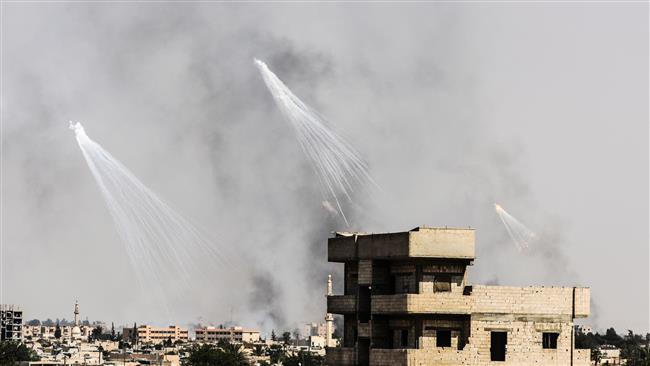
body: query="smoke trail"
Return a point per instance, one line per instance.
(163, 247)
(519, 233)
(338, 165)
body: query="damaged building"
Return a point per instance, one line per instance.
(406, 301)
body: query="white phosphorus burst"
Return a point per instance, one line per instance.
(164, 248)
(338, 165)
(519, 233)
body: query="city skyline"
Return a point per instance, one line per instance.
(541, 108)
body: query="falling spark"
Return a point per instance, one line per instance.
(163, 247)
(338, 165)
(519, 233)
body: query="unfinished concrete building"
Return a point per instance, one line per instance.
(11, 322)
(406, 301)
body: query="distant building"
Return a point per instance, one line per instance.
(232, 334)
(314, 329)
(584, 329)
(610, 355)
(75, 332)
(149, 334)
(11, 322)
(407, 301)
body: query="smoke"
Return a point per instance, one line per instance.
(266, 298)
(170, 91)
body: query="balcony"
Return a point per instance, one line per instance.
(340, 356)
(342, 304)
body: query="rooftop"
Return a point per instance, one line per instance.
(420, 242)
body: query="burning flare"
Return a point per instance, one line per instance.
(338, 165)
(518, 232)
(164, 248)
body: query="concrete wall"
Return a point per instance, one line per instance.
(549, 301)
(341, 356)
(429, 357)
(442, 243)
(524, 348)
(418, 243)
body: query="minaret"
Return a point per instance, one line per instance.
(329, 318)
(76, 313)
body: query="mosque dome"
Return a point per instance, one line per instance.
(76, 332)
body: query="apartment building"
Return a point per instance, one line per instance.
(407, 301)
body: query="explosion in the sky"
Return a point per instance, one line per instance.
(339, 166)
(163, 247)
(519, 233)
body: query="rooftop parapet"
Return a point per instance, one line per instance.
(421, 242)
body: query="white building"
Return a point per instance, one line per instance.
(232, 334)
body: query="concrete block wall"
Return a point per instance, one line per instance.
(342, 304)
(550, 301)
(524, 348)
(389, 245)
(365, 272)
(582, 302)
(341, 356)
(341, 249)
(442, 243)
(527, 300)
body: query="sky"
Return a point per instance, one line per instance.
(541, 107)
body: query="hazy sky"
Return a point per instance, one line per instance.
(542, 107)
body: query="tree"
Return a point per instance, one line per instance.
(57, 331)
(633, 351)
(596, 355)
(304, 359)
(232, 353)
(611, 337)
(273, 337)
(134, 334)
(113, 331)
(258, 350)
(123, 344)
(13, 352)
(225, 354)
(168, 342)
(276, 353)
(34, 322)
(96, 333)
(286, 338)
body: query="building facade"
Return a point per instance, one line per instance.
(11, 322)
(232, 334)
(406, 301)
(149, 334)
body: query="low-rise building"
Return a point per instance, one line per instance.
(11, 322)
(149, 334)
(314, 329)
(610, 355)
(232, 334)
